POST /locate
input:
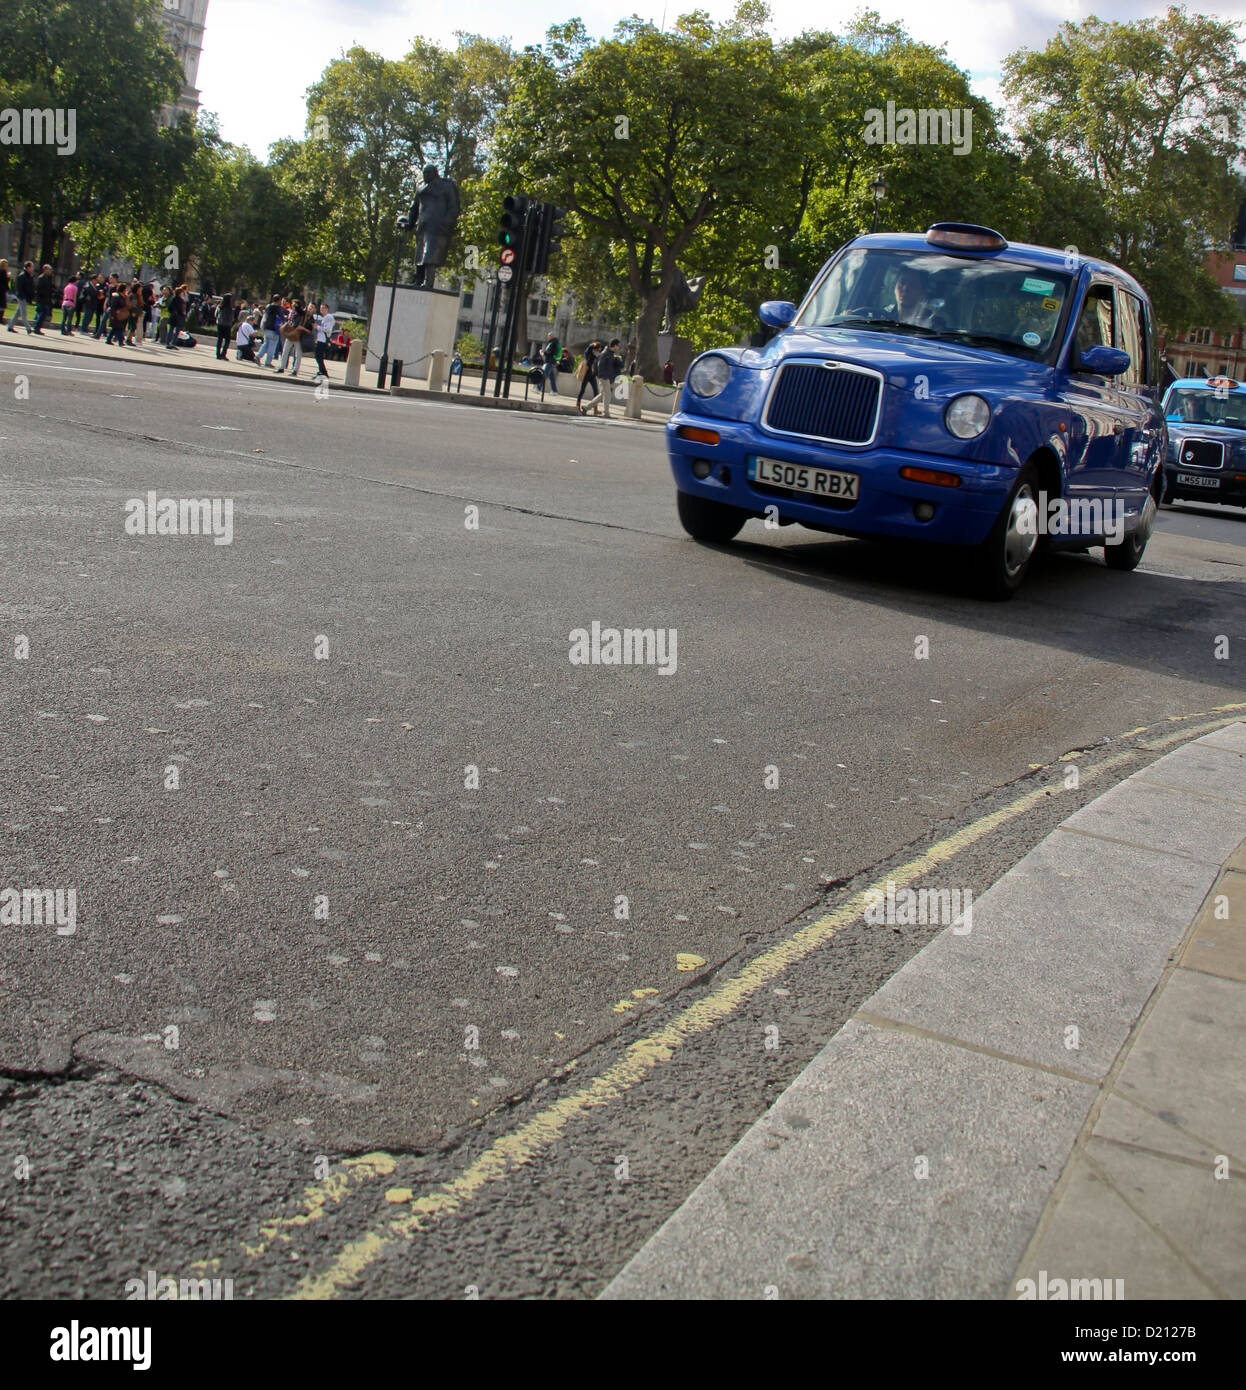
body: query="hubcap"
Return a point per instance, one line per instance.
(1021, 535)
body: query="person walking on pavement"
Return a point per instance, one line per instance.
(134, 324)
(274, 316)
(4, 288)
(224, 327)
(69, 301)
(177, 315)
(102, 314)
(549, 362)
(326, 325)
(118, 316)
(587, 373)
(45, 289)
(295, 327)
(25, 297)
(609, 365)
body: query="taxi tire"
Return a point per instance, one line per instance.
(1127, 555)
(991, 578)
(715, 523)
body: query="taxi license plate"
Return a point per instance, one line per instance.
(1196, 480)
(800, 477)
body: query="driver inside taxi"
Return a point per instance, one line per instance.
(910, 303)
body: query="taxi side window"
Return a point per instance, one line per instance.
(1095, 327)
(1131, 322)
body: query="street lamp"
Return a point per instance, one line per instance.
(402, 225)
(879, 189)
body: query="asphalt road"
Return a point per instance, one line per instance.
(365, 864)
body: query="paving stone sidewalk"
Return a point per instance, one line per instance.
(202, 358)
(1071, 1075)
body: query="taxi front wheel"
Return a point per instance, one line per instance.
(706, 520)
(1002, 561)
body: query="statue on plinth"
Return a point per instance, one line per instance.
(434, 215)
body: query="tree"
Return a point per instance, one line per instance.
(1150, 115)
(108, 63)
(649, 139)
(374, 123)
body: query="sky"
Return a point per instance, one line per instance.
(260, 56)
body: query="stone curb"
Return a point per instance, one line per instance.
(962, 1066)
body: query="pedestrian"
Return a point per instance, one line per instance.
(292, 333)
(244, 340)
(102, 313)
(4, 287)
(134, 298)
(149, 302)
(118, 315)
(668, 372)
(587, 374)
(326, 323)
(25, 297)
(274, 317)
(69, 301)
(609, 365)
(549, 362)
(177, 315)
(224, 327)
(45, 290)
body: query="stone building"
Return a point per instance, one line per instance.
(183, 22)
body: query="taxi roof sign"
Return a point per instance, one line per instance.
(965, 236)
(1223, 383)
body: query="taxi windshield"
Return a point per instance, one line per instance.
(1199, 405)
(995, 304)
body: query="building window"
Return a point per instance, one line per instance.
(469, 298)
(465, 326)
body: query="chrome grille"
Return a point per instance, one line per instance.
(825, 400)
(1200, 453)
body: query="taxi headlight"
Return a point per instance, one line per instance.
(709, 376)
(967, 416)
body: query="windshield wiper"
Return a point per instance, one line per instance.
(1009, 345)
(852, 321)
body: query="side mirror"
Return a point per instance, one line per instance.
(1103, 361)
(777, 313)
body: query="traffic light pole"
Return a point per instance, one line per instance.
(514, 303)
(493, 324)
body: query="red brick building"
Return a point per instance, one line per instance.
(1202, 352)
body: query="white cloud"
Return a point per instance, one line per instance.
(260, 56)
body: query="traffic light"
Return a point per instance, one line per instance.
(514, 212)
(553, 237)
(548, 239)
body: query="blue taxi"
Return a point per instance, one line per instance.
(1206, 440)
(946, 387)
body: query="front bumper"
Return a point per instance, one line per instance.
(963, 515)
(1231, 491)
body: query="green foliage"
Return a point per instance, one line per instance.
(650, 138)
(1132, 132)
(470, 348)
(107, 62)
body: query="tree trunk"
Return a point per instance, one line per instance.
(652, 308)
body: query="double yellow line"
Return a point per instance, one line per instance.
(538, 1135)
